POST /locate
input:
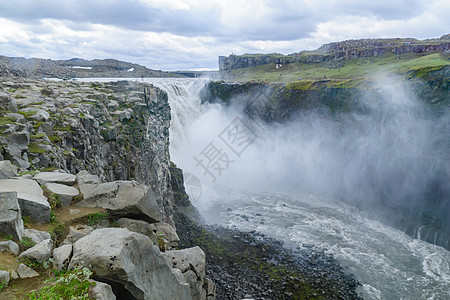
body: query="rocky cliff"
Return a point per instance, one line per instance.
(81, 160)
(338, 52)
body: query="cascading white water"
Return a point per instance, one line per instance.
(259, 190)
(283, 182)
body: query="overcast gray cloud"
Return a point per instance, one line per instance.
(182, 34)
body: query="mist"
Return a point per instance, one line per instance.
(389, 157)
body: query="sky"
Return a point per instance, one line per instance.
(191, 34)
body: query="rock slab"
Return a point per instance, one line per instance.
(125, 257)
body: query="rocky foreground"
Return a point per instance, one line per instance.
(86, 181)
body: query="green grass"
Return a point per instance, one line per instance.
(96, 218)
(71, 284)
(356, 69)
(35, 148)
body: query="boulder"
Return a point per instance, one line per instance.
(19, 139)
(4, 278)
(77, 232)
(84, 177)
(10, 215)
(14, 275)
(102, 291)
(61, 257)
(30, 196)
(26, 272)
(36, 235)
(122, 199)
(131, 261)
(192, 263)
(210, 288)
(9, 246)
(7, 102)
(7, 169)
(40, 252)
(55, 177)
(65, 193)
(141, 227)
(168, 232)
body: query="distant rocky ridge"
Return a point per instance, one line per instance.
(339, 51)
(76, 68)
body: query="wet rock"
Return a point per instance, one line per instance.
(131, 261)
(10, 215)
(40, 252)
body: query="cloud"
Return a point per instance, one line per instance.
(181, 34)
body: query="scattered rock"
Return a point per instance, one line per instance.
(77, 232)
(131, 262)
(102, 291)
(9, 246)
(122, 198)
(61, 257)
(14, 275)
(30, 196)
(169, 233)
(55, 177)
(7, 169)
(4, 278)
(7, 102)
(26, 272)
(65, 193)
(40, 252)
(84, 177)
(10, 215)
(36, 235)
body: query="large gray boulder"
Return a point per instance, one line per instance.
(55, 177)
(7, 169)
(122, 199)
(30, 196)
(192, 263)
(10, 215)
(131, 260)
(65, 193)
(40, 252)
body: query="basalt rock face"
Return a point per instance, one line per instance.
(117, 131)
